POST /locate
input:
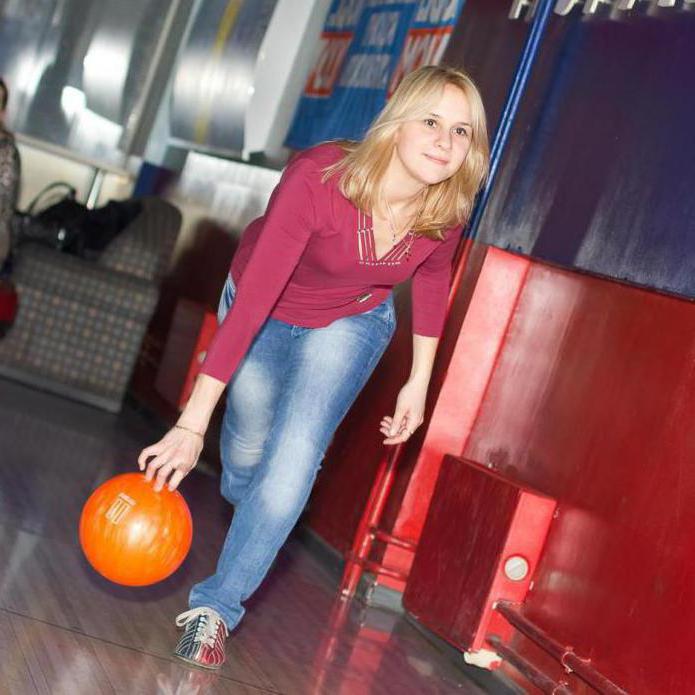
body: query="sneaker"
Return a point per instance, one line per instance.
(203, 639)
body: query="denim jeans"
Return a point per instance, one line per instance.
(284, 403)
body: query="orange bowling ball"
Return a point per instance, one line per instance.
(133, 535)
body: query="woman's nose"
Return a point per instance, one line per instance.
(444, 140)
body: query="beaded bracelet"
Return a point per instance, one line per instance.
(187, 429)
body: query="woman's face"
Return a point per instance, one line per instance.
(431, 149)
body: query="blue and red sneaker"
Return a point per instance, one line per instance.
(203, 638)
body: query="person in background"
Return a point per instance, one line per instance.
(9, 190)
(9, 178)
(306, 314)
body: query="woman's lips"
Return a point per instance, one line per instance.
(436, 160)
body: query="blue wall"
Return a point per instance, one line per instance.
(599, 173)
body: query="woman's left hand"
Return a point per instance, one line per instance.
(410, 412)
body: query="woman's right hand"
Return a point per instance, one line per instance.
(172, 458)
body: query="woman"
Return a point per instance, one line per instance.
(9, 178)
(307, 313)
(9, 191)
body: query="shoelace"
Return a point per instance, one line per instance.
(206, 630)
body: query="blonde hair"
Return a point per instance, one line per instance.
(445, 204)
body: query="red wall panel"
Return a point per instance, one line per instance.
(592, 402)
(589, 397)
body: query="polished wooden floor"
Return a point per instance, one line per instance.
(64, 630)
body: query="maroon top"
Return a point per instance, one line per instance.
(310, 260)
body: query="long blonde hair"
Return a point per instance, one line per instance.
(446, 204)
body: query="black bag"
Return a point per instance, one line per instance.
(55, 223)
(69, 226)
(101, 225)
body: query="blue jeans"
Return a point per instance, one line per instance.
(284, 403)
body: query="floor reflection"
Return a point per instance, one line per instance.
(64, 629)
(180, 680)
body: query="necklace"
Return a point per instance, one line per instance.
(392, 224)
(409, 235)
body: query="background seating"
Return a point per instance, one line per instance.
(80, 323)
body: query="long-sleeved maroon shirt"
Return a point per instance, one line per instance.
(310, 260)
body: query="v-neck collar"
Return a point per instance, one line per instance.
(366, 244)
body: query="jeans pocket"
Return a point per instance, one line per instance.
(226, 299)
(384, 312)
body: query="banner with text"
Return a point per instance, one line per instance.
(367, 46)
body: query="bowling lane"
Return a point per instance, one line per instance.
(43, 658)
(65, 629)
(56, 452)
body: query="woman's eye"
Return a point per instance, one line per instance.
(461, 131)
(430, 122)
